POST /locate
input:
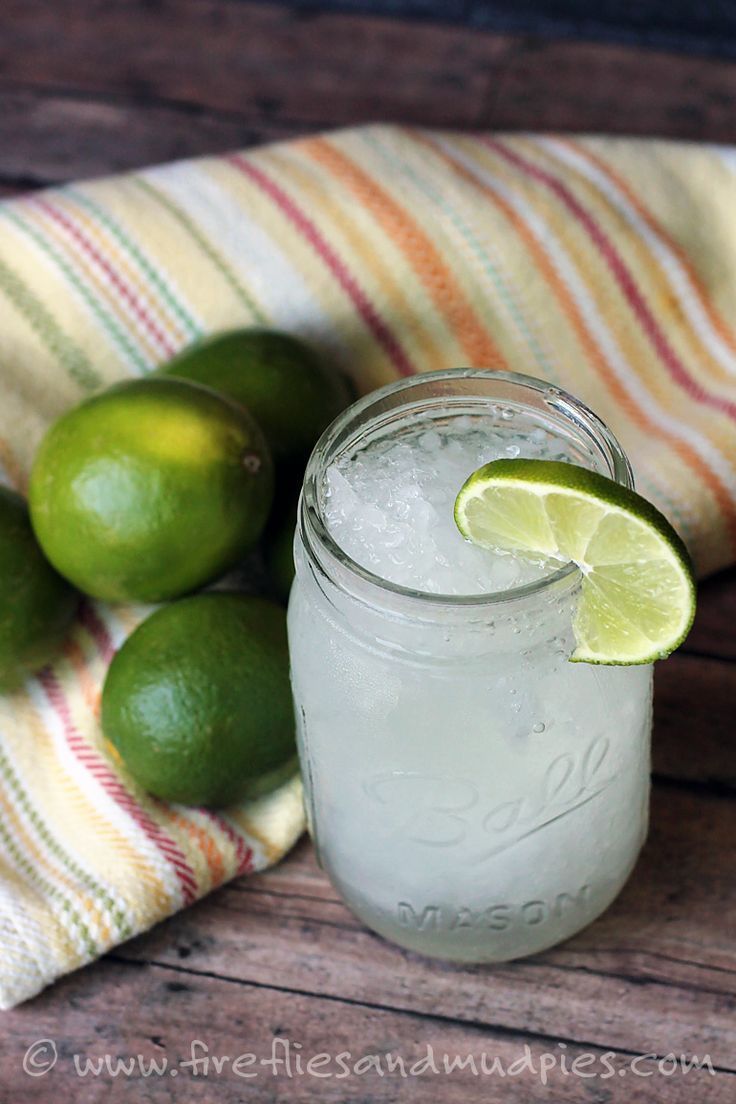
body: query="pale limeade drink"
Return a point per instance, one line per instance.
(472, 793)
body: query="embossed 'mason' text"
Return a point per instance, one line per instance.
(496, 917)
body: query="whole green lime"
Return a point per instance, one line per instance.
(197, 701)
(37, 606)
(287, 387)
(150, 490)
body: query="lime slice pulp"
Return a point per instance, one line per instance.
(637, 597)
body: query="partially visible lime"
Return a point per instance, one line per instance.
(151, 489)
(279, 551)
(197, 701)
(37, 606)
(637, 599)
(287, 387)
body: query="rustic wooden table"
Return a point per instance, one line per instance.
(274, 964)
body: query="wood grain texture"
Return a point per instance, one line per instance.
(694, 710)
(88, 87)
(251, 60)
(574, 86)
(667, 24)
(695, 695)
(714, 631)
(55, 138)
(231, 1019)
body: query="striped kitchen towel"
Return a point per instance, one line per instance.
(605, 265)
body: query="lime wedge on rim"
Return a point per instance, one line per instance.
(637, 597)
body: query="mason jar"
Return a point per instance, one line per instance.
(471, 793)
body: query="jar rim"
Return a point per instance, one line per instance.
(345, 572)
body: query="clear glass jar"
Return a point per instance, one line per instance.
(471, 793)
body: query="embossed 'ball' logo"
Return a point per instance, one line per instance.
(440, 811)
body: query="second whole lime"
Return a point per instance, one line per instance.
(288, 388)
(198, 703)
(150, 489)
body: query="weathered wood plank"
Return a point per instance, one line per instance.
(265, 64)
(89, 1015)
(694, 709)
(669, 942)
(51, 138)
(565, 85)
(252, 60)
(714, 631)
